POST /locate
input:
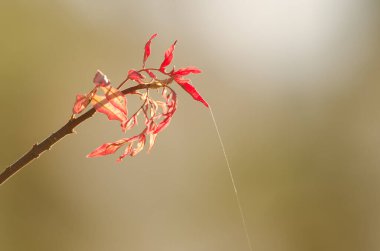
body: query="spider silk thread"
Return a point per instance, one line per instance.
(243, 220)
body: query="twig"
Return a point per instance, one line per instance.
(45, 145)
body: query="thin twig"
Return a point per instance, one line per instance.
(45, 145)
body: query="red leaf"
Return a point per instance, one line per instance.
(147, 49)
(129, 150)
(171, 104)
(151, 74)
(136, 76)
(131, 122)
(140, 145)
(163, 124)
(184, 83)
(187, 71)
(168, 57)
(100, 79)
(116, 97)
(103, 105)
(81, 103)
(105, 149)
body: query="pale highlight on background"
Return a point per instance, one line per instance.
(294, 86)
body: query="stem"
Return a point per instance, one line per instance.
(45, 145)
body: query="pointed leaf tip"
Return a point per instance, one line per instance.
(147, 49)
(186, 71)
(168, 57)
(105, 149)
(184, 83)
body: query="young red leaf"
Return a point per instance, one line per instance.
(129, 149)
(105, 149)
(127, 152)
(171, 104)
(100, 79)
(168, 57)
(139, 146)
(136, 76)
(81, 103)
(184, 83)
(147, 49)
(151, 74)
(103, 105)
(131, 122)
(116, 97)
(186, 71)
(163, 124)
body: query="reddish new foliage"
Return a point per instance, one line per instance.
(168, 57)
(185, 84)
(186, 71)
(147, 49)
(135, 76)
(157, 114)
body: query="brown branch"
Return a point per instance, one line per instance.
(67, 129)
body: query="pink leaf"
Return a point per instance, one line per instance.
(102, 105)
(105, 149)
(163, 124)
(100, 79)
(128, 151)
(150, 125)
(151, 74)
(152, 140)
(168, 57)
(187, 71)
(116, 97)
(139, 146)
(81, 103)
(184, 83)
(131, 122)
(136, 76)
(147, 49)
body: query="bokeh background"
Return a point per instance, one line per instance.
(295, 88)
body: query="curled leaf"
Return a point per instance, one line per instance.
(80, 104)
(135, 76)
(162, 125)
(101, 79)
(82, 101)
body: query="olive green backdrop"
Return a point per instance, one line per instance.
(295, 88)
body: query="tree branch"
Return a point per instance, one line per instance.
(67, 129)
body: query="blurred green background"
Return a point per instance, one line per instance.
(295, 88)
